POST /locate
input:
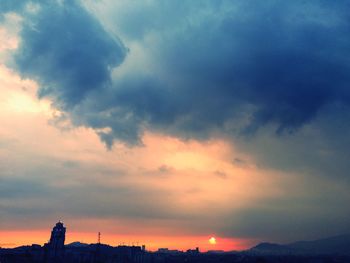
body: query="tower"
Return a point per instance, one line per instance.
(55, 247)
(97, 254)
(58, 235)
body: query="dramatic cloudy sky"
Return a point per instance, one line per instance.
(167, 122)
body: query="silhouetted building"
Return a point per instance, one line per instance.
(168, 251)
(134, 254)
(193, 251)
(54, 250)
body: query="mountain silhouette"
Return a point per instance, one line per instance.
(331, 245)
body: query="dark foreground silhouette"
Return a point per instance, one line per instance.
(124, 254)
(330, 250)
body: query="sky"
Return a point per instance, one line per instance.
(167, 123)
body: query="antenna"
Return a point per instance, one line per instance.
(99, 238)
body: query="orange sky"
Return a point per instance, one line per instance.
(17, 238)
(194, 176)
(167, 192)
(169, 158)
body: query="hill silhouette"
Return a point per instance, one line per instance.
(331, 245)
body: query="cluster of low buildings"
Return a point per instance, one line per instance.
(55, 251)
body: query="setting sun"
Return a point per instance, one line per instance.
(212, 241)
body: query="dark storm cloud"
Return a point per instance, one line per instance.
(271, 55)
(11, 6)
(231, 66)
(67, 51)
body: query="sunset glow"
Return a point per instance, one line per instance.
(177, 125)
(212, 241)
(152, 242)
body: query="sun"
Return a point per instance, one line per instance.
(212, 241)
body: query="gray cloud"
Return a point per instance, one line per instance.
(210, 73)
(289, 219)
(11, 188)
(36, 197)
(67, 51)
(212, 76)
(319, 148)
(7, 6)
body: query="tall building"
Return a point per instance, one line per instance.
(55, 247)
